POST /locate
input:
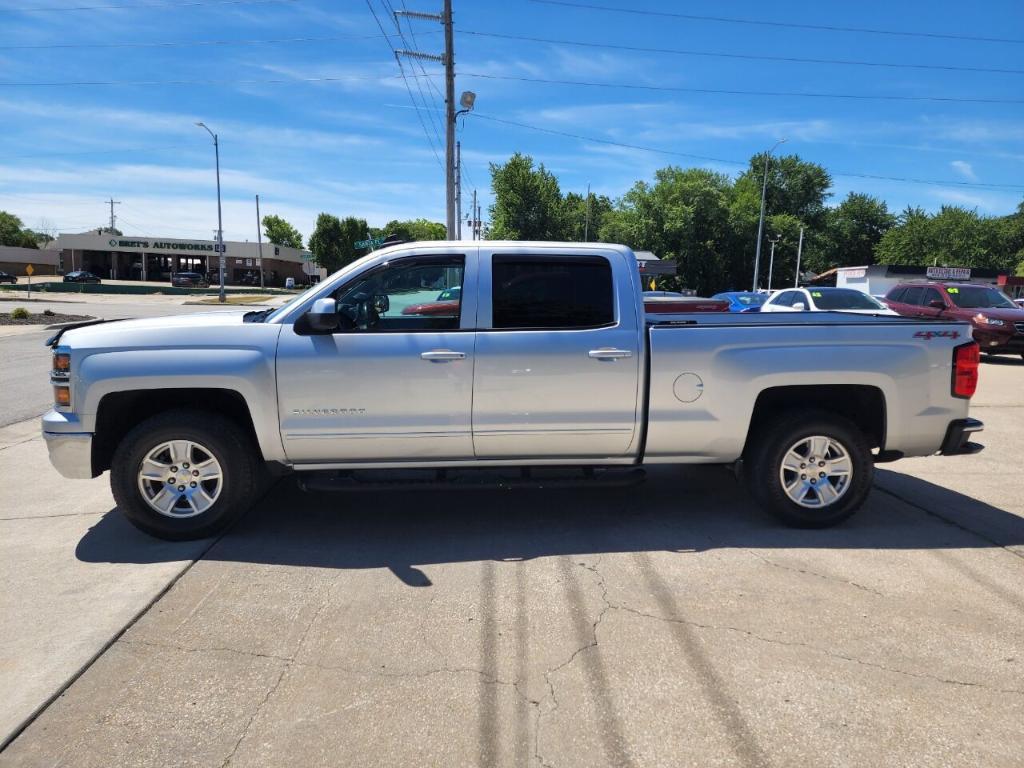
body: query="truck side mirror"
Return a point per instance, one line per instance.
(381, 303)
(799, 306)
(937, 304)
(323, 316)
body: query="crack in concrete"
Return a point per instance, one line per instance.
(206, 649)
(288, 662)
(807, 572)
(49, 517)
(818, 649)
(575, 654)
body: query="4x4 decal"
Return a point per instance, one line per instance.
(928, 335)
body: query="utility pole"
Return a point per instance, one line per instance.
(771, 263)
(449, 111)
(799, 250)
(220, 224)
(760, 223)
(113, 218)
(479, 223)
(259, 238)
(586, 221)
(458, 190)
(450, 115)
(475, 227)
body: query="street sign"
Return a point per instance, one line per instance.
(30, 270)
(373, 242)
(219, 248)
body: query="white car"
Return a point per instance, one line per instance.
(825, 300)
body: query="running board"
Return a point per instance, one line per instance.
(445, 479)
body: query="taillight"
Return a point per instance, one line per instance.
(966, 359)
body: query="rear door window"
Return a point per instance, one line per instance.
(540, 292)
(896, 294)
(913, 295)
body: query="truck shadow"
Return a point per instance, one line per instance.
(678, 509)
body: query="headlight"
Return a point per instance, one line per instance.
(61, 363)
(990, 321)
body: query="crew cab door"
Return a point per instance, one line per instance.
(558, 354)
(395, 381)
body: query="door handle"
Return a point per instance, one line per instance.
(609, 354)
(442, 355)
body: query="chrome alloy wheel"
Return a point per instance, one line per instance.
(180, 478)
(816, 471)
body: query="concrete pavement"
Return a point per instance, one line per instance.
(670, 624)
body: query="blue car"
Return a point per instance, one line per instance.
(743, 301)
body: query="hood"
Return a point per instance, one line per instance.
(1007, 314)
(172, 330)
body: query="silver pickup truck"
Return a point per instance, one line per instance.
(460, 356)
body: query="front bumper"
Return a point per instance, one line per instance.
(71, 453)
(958, 436)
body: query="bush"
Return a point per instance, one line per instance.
(49, 312)
(19, 314)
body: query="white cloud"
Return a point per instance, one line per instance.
(964, 169)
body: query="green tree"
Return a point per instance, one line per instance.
(527, 202)
(333, 241)
(412, 230)
(575, 217)
(280, 232)
(683, 216)
(852, 231)
(12, 233)
(954, 237)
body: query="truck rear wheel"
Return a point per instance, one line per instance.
(184, 474)
(811, 470)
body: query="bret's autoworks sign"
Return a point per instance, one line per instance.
(162, 245)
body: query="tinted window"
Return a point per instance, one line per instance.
(844, 298)
(537, 292)
(979, 297)
(422, 294)
(784, 299)
(913, 295)
(896, 294)
(930, 295)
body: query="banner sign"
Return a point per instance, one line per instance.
(948, 273)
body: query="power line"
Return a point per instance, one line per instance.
(734, 92)
(430, 110)
(193, 43)
(405, 80)
(745, 56)
(743, 163)
(230, 81)
(129, 6)
(790, 25)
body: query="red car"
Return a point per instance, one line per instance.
(997, 323)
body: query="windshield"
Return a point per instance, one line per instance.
(844, 298)
(750, 299)
(979, 297)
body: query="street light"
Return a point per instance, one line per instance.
(760, 224)
(771, 261)
(220, 226)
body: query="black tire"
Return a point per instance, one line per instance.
(771, 444)
(222, 439)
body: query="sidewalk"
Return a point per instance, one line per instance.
(59, 612)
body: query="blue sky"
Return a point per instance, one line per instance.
(354, 145)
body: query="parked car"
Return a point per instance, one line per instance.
(825, 300)
(80, 276)
(189, 280)
(743, 301)
(997, 324)
(6, 277)
(1019, 303)
(552, 362)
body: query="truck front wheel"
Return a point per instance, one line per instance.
(184, 474)
(811, 470)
